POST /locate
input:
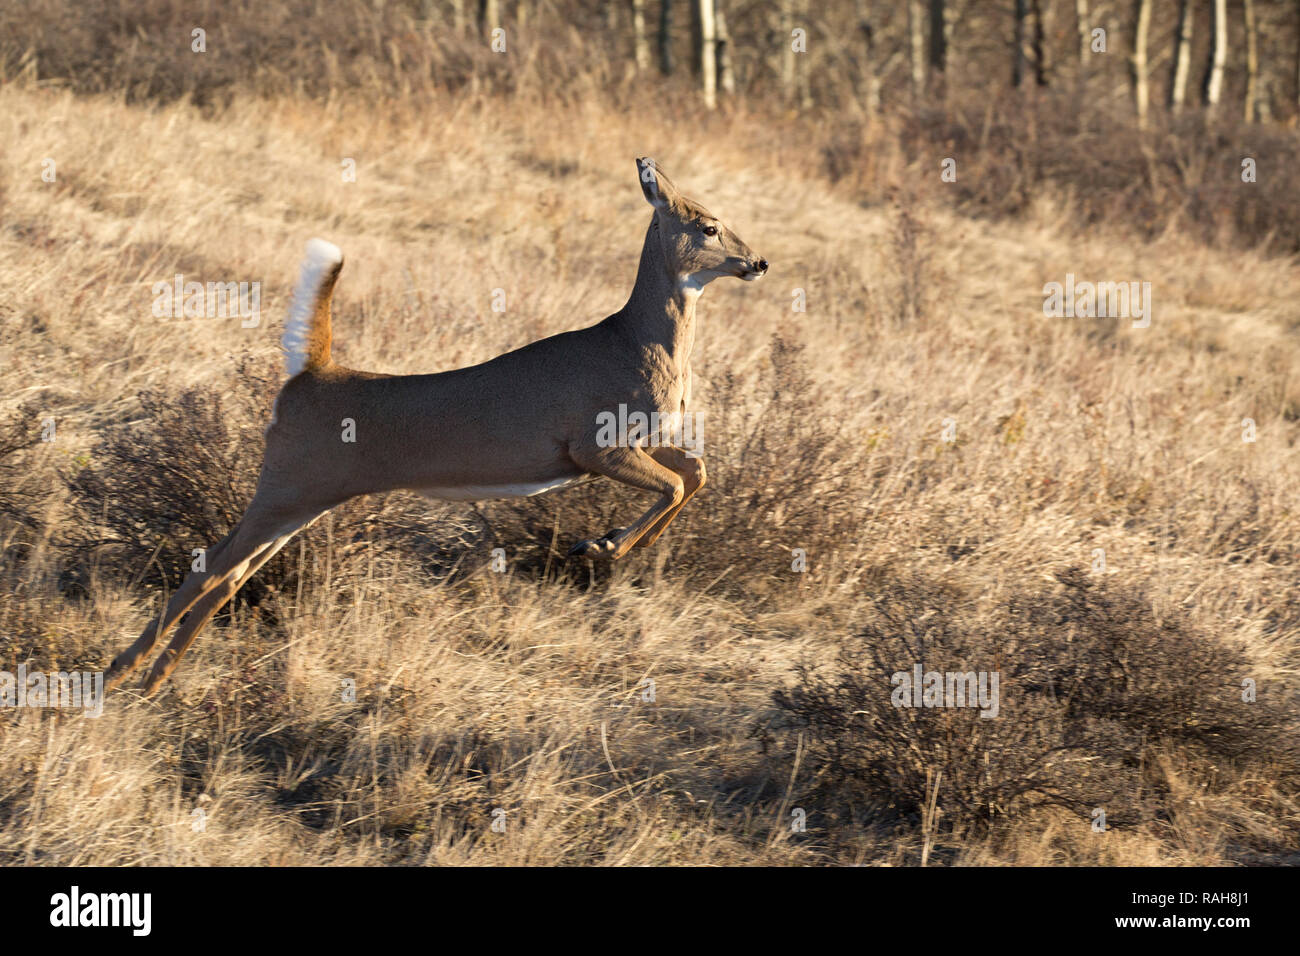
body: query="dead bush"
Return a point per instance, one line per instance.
(1089, 682)
(19, 498)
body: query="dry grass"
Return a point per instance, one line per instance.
(524, 690)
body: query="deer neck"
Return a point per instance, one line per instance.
(660, 313)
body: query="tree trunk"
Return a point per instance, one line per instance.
(489, 12)
(1252, 61)
(693, 8)
(1141, 88)
(726, 73)
(801, 64)
(787, 50)
(916, 28)
(938, 37)
(1182, 57)
(1018, 41)
(640, 44)
(703, 23)
(1218, 55)
(1040, 44)
(666, 37)
(1085, 34)
(870, 78)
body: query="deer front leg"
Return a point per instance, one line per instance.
(631, 466)
(691, 469)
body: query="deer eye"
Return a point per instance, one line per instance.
(709, 230)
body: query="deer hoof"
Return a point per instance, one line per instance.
(115, 674)
(596, 547)
(153, 679)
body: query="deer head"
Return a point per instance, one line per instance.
(696, 247)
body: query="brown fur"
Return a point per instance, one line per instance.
(319, 338)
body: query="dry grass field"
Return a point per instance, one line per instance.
(528, 690)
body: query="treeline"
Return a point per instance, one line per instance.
(1135, 113)
(1238, 57)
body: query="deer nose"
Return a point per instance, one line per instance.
(761, 265)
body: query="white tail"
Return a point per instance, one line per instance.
(302, 334)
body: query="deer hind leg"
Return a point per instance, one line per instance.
(247, 554)
(693, 475)
(631, 466)
(194, 587)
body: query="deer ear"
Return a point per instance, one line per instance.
(659, 191)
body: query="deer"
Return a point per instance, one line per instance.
(523, 423)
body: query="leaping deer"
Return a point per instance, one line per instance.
(521, 424)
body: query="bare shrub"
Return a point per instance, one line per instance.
(916, 287)
(1186, 174)
(784, 472)
(143, 49)
(1090, 682)
(19, 499)
(23, 613)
